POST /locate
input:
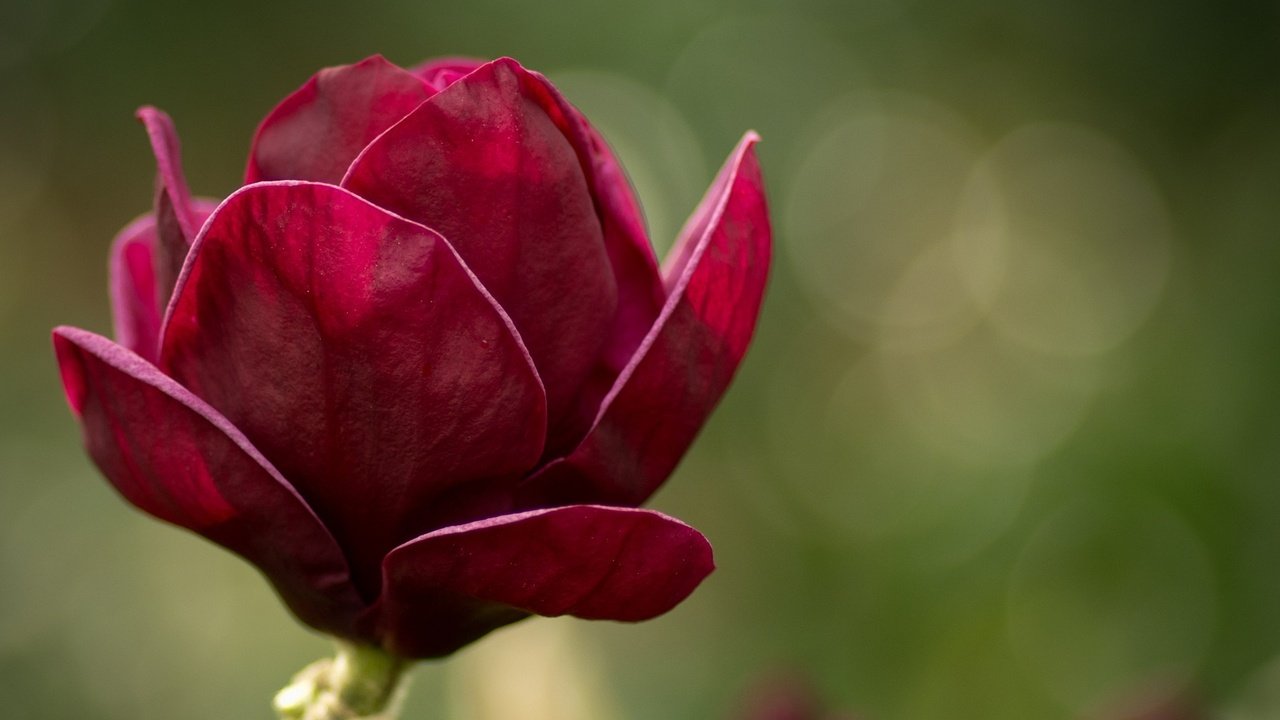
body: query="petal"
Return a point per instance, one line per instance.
(177, 218)
(440, 73)
(136, 305)
(174, 457)
(316, 132)
(135, 309)
(451, 586)
(640, 291)
(357, 352)
(484, 164)
(684, 365)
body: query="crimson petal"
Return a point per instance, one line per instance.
(440, 73)
(685, 363)
(640, 294)
(173, 456)
(355, 349)
(485, 165)
(316, 132)
(449, 587)
(177, 218)
(640, 291)
(135, 307)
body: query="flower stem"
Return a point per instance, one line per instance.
(359, 682)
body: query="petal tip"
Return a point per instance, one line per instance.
(374, 59)
(70, 366)
(159, 124)
(146, 113)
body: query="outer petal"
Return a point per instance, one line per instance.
(449, 587)
(358, 353)
(485, 164)
(171, 455)
(177, 218)
(316, 132)
(684, 365)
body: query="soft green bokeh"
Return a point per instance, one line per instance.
(1008, 443)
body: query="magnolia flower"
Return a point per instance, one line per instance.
(423, 366)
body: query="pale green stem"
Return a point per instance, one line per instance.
(359, 682)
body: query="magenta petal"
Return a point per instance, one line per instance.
(686, 362)
(177, 217)
(640, 291)
(171, 455)
(440, 73)
(135, 308)
(316, 132)
(485, 163)
(355, 349)
(449, 587)
(136, 305)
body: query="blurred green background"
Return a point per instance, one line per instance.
(1007, 446)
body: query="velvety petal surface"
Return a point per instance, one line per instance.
(449, 587)
(174, 457)
(356, 350)
(177, 218)
(485, 164)
(685, 363)
(316, 132)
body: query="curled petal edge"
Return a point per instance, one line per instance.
(589, 561)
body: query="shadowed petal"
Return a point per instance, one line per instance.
(484, 164)
(171, 455)
(136, 305)
(360, 355)
(449, 587)
(640, 291)
(177, 217)
(316, 132)
(684, 365)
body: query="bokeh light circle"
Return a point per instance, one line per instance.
(770, 73)
(869, 214)
(1073, 233)
(985, 400)
(863, 476)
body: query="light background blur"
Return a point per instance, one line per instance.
(1007, 445)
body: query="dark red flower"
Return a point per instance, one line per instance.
(422, 367)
